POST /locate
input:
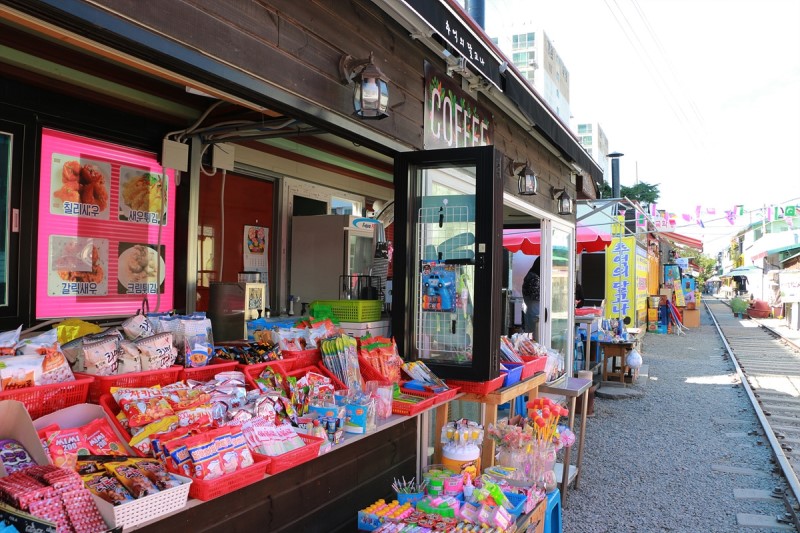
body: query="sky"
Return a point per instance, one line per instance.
(702, 96)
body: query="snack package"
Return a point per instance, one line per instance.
(156, 472)
(8, 341)
(227, 453)
(157, 351)
(101, 357)
(107, 487)
(101, 439)
(73, 351)
(205, 457)
(129, 358)
(142, 441)
(146, 411)
(198, 345)
(137, 327)
(73, 328)
(14, 456)
(65, 445)
(55, 368)
(20, 371)
(133, 479)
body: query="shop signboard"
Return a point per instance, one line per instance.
(453, 119)
(106, 229)
(621, 279)
(641, 284)
(790, 286)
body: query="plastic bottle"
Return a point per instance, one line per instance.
(469, 488)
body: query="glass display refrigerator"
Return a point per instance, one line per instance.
(447, 291)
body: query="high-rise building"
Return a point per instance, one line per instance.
(535, 56)
(595, 142)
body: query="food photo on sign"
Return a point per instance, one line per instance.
(141, 195)
(140, 269)
(77, 266)
(80, 187)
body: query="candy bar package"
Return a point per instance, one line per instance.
(156, 472)
(73, 351)
(107, 487)
(133, 479)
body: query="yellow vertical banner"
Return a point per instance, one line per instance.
(621, 268)
(680, 300)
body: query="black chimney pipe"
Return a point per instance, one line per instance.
(477, 10)
(615, 188)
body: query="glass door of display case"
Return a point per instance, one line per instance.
(560, 291)
(448, 261)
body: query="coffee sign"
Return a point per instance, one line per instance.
(453, 119)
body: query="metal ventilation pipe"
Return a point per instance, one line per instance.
(615, 187)
(477, 10)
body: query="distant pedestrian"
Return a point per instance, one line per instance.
(530, 295)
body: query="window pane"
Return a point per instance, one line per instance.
(5, 187)
(444, 281)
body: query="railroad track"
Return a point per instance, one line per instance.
(769, 369)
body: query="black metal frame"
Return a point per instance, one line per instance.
(488, 277)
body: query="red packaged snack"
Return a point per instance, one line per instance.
(226, 451)
(240, 445)
(186, 398)
(101, 438)
(178, 458)
(205, 458)
(145, 411)
(65, 445)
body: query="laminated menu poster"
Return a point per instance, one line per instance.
(142, 195)
(77, 266)
(106, 222)
(140, 268)
(79, 186)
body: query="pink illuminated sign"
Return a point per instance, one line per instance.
(99, 249)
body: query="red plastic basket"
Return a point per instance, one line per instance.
(478, 387)
(148, 378)
(303, 358)
(438, 397)
(209, 489)
(319, 369)
(369, 372)
(293, 458)
(206, 373)
(409, 409)
(42, 400)
(256, 368)
(251, 372)
(537, 364)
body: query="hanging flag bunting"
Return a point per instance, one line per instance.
(790, 211)
(711, 211)
(730, 216)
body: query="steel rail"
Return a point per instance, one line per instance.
(780, 456)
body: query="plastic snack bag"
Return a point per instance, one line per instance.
(55, 367)
(8, 341)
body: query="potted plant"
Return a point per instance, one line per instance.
(738, 306)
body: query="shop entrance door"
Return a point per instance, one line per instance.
(559, 289)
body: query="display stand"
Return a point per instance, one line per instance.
(572, 388)
(490, 402)
(612, 352)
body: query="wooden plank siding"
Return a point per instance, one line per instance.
(296, 46)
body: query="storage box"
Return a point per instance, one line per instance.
(16, 423)
(378, 328)
(691, 318)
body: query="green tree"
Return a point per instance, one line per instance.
(706, 264)
(642, 192)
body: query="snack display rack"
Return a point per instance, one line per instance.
(44, 399)
(408, 409)
(368, 371)
(319, 369)
(438, 397)
(302, 357)
(102, 384)
(251, 372)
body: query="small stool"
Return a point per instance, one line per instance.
(552, 515)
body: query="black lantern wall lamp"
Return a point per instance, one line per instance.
(371, 91)
(527, 182)
(565, 204)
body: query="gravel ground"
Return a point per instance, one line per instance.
(647, 462)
